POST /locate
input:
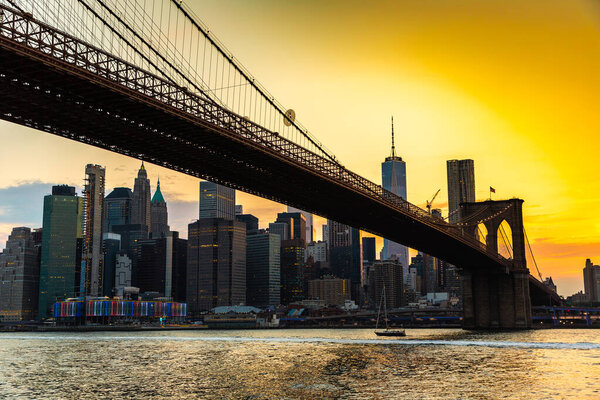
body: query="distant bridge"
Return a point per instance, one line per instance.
(113, 82)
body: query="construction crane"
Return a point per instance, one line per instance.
(429, 203)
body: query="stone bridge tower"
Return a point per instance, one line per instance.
(492, 298)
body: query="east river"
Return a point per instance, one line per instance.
(301, 364)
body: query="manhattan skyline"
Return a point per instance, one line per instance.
(514, 106)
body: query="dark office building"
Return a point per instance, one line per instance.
(111, 244)
(117, 208)
(368, 249)
(280, 228)
(131, 235)
(297, 223)
(216, 264)
(251, 222)
(345, 254)
(62, 223)
(293, 280)
(263, 266)
(19, 277)
(162, 266)
(389, 273)
(216, 201)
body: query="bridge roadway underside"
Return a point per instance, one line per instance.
(49, 95)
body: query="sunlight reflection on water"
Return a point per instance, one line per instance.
(300, 364)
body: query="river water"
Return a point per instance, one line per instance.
(301, 364)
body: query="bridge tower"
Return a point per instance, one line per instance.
(494, 298)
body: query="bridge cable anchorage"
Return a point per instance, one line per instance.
(532, 256)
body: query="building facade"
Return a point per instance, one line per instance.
(117, 208)
(123, 272)
(93, 204)
(388, 273)
(59, 260)
(591, 281)
(159, 217)
(216, 201)
(297, 223)
(19, 277)
(461, 186)
(308, 217)
(334, 291)
(216, 264)
(263, 269)
(141, 213)
(293, 271)
(162, 266)
(111, 245)
(280, 228)
(345, 254)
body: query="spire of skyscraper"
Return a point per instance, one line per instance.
(393, 147)
(141, 198)
(158, 214)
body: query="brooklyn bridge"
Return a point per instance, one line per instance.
(148, 80)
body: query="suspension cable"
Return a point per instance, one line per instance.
(270, 99)
(138, 36)
(532, 256)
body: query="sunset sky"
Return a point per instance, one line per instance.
(513, 85)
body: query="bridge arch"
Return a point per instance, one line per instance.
(482, 233)
(504, 239)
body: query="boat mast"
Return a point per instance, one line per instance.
(385, 306)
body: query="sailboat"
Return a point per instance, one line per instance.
(387, 331)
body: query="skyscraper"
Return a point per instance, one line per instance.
(297, 223)
(263, 269)
(280, 228)
(310, 232)
(216, 264)
(591, 281)
(131, 237)
(61, 229)
(117, 208)
(250, 220)
(93, 202)
(388, 273)
(162, 266)
(292, 271)
(159, 217)
(216, 201)
(19, 277)
(111, 246)
(141, 199)
(393, 176)
(368, 245)
(345, 254)
(461, 186)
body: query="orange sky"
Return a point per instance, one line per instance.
(512, 85)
